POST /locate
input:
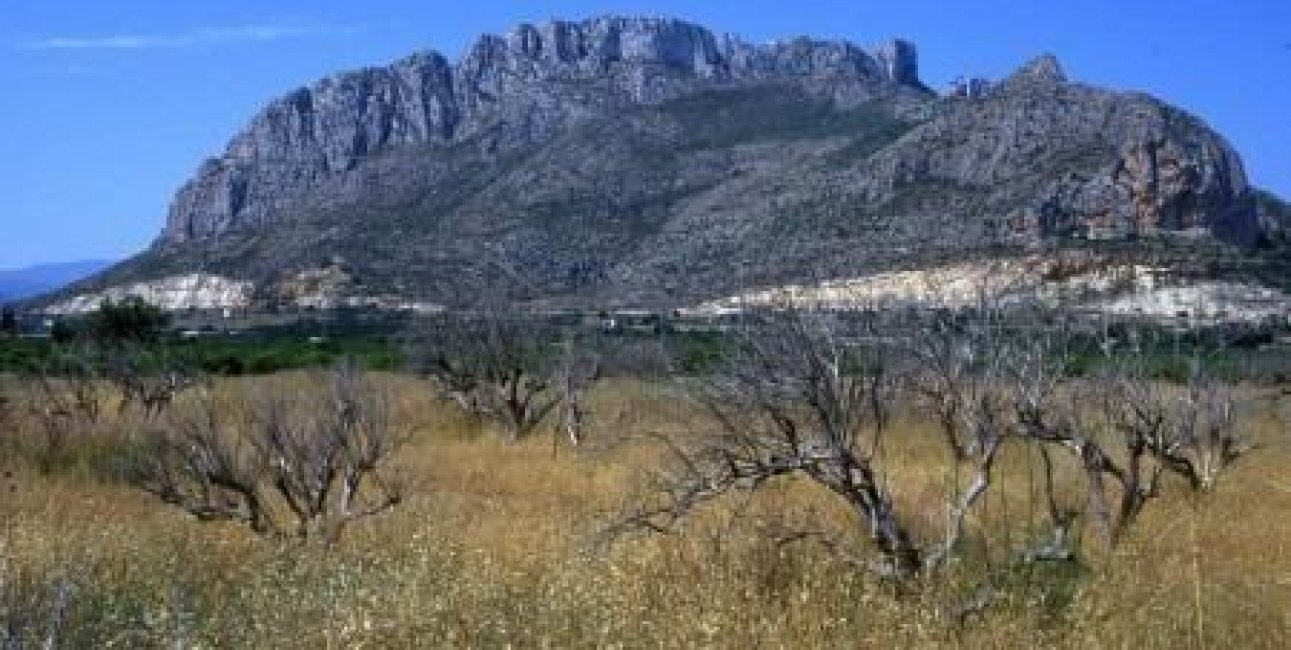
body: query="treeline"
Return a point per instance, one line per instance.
(153, 336)
(1234, 351)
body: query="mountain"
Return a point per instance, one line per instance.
(644, 161)
(1274, 215)
(20, 283)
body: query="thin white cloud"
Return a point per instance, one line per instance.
(197, 38)
(70, 70)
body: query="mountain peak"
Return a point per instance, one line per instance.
(603, 43)
(648, 159)
(1044, 68)
(536, 80)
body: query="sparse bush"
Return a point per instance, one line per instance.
(148, 378)
(64, 397)
(132, 320)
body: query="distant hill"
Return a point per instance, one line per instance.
(17, 284)
(653, 162)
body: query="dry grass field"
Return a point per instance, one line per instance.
(497, 546)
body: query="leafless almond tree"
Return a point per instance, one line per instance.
(1127, 429)
(962, 366)
(494, 366)
(204, 462)
(793, 397)
(809, 394)
(65, 394)
(301, 463)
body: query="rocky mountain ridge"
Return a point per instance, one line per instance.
(637, 161)
(518, 82)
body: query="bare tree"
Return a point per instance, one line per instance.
(495, 367)
(65, 394)
(303, 464)
(803, 395)
(793, 397)
(808, 394)
(321, 464)
(1190, 429)
(959, 365)
(1127, 429)
(204, 462)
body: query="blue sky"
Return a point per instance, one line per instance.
(108, 106)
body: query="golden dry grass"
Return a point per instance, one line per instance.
(494, 548)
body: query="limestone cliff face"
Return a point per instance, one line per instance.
(527, 85)
(312, 134)
(1056, 158)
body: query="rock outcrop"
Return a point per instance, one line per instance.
(651, 161)
(1089, 285)
(1055, 158)
(176, 293)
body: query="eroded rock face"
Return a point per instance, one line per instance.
(900, 62)
(1165, 177)
(531, 83)
(175, 293)
(1061, 159)
(312, 134)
